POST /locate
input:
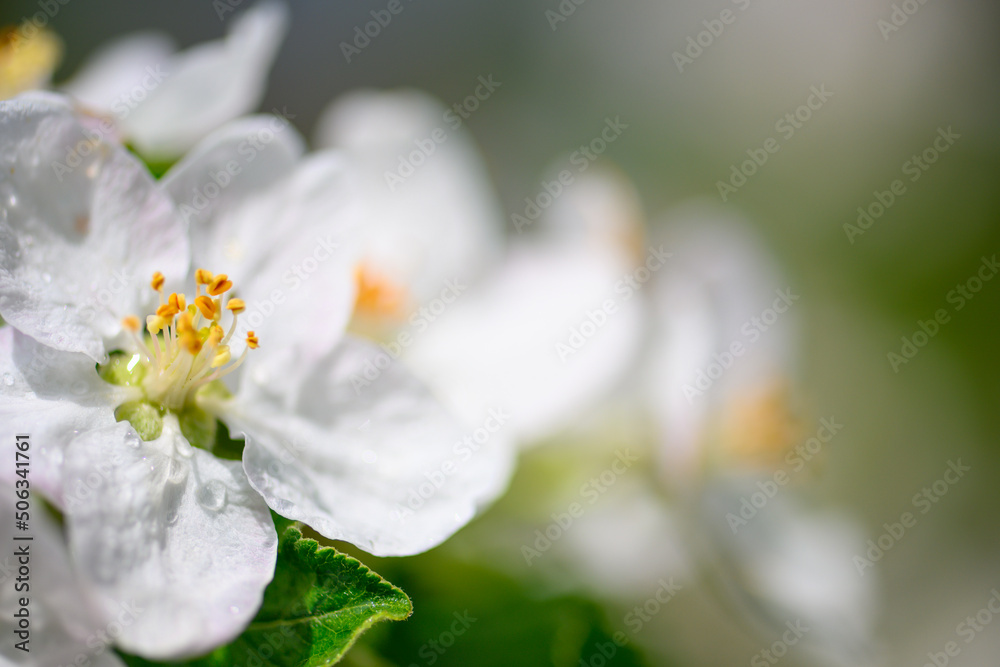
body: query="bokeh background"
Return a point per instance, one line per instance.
(891, 93)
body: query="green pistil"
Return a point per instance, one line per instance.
(145, 417)
(198, 426)
(123, 370)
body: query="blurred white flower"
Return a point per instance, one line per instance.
(163, 102)
(720, 384)
(722, 363)
(150, 518)
(496, 343)
(724, 420)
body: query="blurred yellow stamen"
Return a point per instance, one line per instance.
(760, 426)
(222, 357)
(378, 297)
(28, 57)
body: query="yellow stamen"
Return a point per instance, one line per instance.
(177, 301)
(155, 324)
(208, 307)
(378, 297)
(220, 284)
(760, 426)
(166, 311)
(185, 323)
(190, 341)
(28, 57)
(222, 357)
(187, 347)
(214, 335)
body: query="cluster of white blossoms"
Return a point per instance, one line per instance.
(281, 298)
(128, 381)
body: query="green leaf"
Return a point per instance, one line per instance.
(319, 603)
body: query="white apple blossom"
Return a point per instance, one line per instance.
(721, 425)
(164, 101)
(721, 381)
(504, 341)
(121, 378)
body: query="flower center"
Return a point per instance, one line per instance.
(185, 347)
(178, 362)
(378, 297)
(761, 427)
(381, 304)
(28, 56)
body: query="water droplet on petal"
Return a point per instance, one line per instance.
(8, 379)
(177, 471)
(184, 448)
(211, 495)
(47, 278)
(234, 609)
(132, 440)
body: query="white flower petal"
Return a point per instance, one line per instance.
(233, 163)
(82, 228)
(497, 344)
(443, 221)
(209, 84)
(111, 78)
(66, 624)
(173, 531)
(49, 396)
(381, 466)
(291, 252)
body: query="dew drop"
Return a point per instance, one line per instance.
(8, 379)
(184, 448)
(211, 495)
(132, 440)
(234, 610)
(177, 471)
